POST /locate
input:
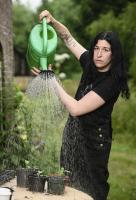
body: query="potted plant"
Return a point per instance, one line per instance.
(23, 173)
(37, 182)
(56, 183)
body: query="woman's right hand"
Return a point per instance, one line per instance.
(49, 17)
(76, 48)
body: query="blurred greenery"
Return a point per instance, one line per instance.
(124, 116)
(122, 169)
(14, 146)
(84, 18)
(23, 21)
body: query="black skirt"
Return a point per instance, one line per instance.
(85, 154)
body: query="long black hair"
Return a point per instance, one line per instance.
(117, 69)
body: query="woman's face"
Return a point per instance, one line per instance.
(102, 55)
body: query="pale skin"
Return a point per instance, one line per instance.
(102, 59)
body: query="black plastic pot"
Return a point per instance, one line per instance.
(36, 183)
(6, 175)
(56, 185)
(22, 176)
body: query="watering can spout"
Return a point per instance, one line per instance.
(43, 63)
(41, 46)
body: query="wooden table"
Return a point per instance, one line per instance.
(24, 194)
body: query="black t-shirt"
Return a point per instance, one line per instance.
(104, 85)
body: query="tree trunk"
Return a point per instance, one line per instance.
(6, 64)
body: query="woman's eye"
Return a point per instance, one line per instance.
(103, 49)
(96, 48)
(106, 50)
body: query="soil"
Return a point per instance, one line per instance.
(24, 194)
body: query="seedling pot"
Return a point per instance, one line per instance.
(56, 185)
(36, 183)
(22, 176)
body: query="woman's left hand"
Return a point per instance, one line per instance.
(36, 71)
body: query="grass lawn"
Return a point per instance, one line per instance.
(122, 167)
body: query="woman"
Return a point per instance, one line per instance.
(87, 135)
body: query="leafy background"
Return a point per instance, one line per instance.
(84, 18)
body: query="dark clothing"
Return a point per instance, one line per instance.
(87, 139)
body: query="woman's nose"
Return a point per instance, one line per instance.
(99, 53)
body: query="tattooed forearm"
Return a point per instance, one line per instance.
(64, 34)
(68, 39)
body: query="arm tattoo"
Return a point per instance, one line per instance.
(68, 39)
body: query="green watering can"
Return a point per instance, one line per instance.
(41, 46)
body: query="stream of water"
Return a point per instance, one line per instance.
(47, 109)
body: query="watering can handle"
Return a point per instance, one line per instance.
(45, 36)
